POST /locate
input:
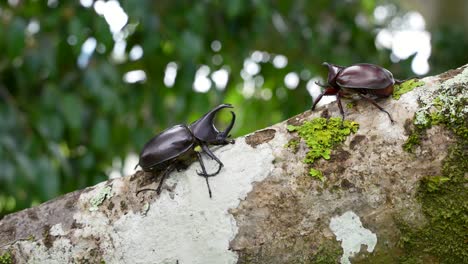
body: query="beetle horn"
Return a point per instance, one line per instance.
(225, 133)
(333, 71)
(204, 129)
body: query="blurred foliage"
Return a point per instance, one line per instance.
(62, 126)
(449, 47)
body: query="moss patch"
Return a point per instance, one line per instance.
(414, 139)
(328, 253)
(400, 89)
(6, 258)
(350, 105)
(321, 135)
(444, 201)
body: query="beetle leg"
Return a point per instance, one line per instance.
(204, 173)
(166, 172)
(340, 106)
(210, 154)
(378, 106)
(316, 101)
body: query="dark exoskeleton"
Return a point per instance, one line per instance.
(175, 146)
(361, 79)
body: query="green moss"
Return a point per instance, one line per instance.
(413, 140)
(433, 183)
(399, 89)
(350, 105)
(329, 253)
(444, 201)
(6, 258)
(321, 135)
(382, 256)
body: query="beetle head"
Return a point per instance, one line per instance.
(333, 71)
(203, 129)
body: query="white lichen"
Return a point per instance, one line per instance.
(448, 99)
(145, 208)
(348, 229)
(97, 200)
(57, 230)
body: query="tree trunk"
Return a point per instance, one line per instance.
(388, 191)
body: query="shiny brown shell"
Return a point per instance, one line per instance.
(364, 75)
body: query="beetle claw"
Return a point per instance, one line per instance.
(158, 191)
(209, 174)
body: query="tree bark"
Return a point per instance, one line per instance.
(265, 206)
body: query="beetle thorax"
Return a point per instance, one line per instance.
(331, 90)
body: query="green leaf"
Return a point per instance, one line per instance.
(100, 134)
(190, 45)
(15, 37)
(234, 7)
(73, 110)
(51, 126)
(48, 179)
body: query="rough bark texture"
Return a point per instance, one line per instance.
(265, 206)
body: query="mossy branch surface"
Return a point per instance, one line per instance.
(444, 201)
(444, 198)
(321, 136)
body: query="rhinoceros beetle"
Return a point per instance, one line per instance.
(362, 78)
(172, 148)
